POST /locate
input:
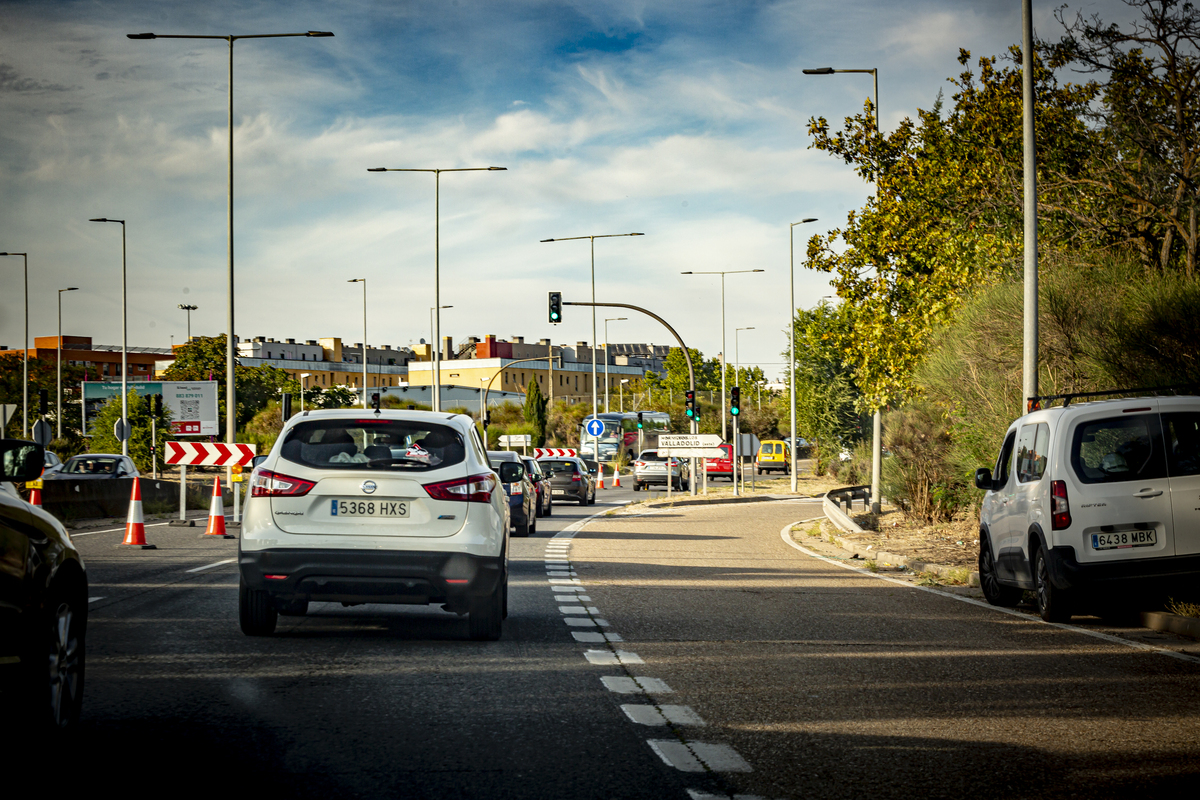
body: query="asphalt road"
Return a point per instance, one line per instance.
(682, 653)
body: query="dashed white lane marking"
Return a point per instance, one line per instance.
(612, 658)
(591, 638)
(210, 566)
(578, 609)
(569, 589)
(687, 757)
(94, 599)
(660, 716)
(571, 598)
(562, 573)
(786, 535)
(586, 622)
(556, 582)
(635, 685)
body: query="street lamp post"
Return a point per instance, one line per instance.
(189, 309)
(724, 356)
(230, 353)
(792, 327)
(606, 379)
(363, 281)
(737, 428)
(433, 346)
(304, 376)
(124, 343)
(25, 372)
(437, 257)
(595, 398)
(877, 420)
(58, 412)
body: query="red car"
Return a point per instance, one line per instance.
(721, 467)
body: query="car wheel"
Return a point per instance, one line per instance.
(293, 608)
(549, 505)
(532, 523)
(60, 662)
(989, 581)
(1053, 604)
(539, 512)
(523, 528)
(485, 615)
(256, 612)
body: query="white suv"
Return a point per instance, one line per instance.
(356, 506)
(1093, 501)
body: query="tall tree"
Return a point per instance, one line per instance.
(535, 412)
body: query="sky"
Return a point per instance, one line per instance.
(683, 120)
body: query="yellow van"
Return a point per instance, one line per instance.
(773, 455)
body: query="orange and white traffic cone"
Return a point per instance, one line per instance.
(616, 478)
(35, 495)
(135, 524)
(600, 485)
(216, 514)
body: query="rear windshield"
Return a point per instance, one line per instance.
(558, 466)
(1119, 449)
(91, 466)
(650, 455)
(385, 444)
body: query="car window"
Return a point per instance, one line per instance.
(532, 467)
(91, 466)
(480, 450)
(1182, 431)
(559, 466)
(385, 444)
(650, 455)
(1031, 452)
(1118, 449)
(1000, 474)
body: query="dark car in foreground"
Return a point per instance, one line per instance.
(570, 479)
(43, 607)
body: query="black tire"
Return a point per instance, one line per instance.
(1053, 604)
(532, 523)
(549, 505)
(994, 592)
(592, 500)
(58, 663)
(293, 608)
(538, 507)
(486, 614)
(523, 529)
(256, 612)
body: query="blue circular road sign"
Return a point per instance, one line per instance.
(595, 427)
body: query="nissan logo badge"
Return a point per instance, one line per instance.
(368, 487)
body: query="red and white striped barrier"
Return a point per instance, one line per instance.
(553, 452)
(209, 455)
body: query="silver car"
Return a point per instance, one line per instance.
(652, 468)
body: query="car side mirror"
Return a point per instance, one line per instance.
(983, 479)
(511, 472)
(21, 461)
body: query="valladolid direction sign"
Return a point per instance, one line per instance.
(690, 445)
(193, 404)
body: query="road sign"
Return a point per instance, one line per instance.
(705, 440)
(7, 411)
(193, 405)
(42, 433)
(121, 429)
(595, 427)
(516, 440)
(748, 445)
(691, 452)
(209, 455)
(554, 452)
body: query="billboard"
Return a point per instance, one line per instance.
(193, 404)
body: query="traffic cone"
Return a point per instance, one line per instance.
(35, 496)
(135, 524)
(600, 485)
(216, 514)
(616, 478)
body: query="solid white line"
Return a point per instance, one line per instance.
(210, 566)
(94, 599)
(786, 535)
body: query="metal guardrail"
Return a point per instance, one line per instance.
(834, 500)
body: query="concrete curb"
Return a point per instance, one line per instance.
(1172, 623)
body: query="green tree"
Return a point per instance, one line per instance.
(104, 441)
(535, 412)
(203, 359)
(43, 375)
(826, 392)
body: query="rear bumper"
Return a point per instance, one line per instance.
(1147, 573)
(356, 576)
(574, 491)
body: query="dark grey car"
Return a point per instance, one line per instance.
(571, 479)
(522, 496)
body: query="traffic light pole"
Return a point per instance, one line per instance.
(686, 354)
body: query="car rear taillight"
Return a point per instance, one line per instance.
(264, 483)
(1060, 510)
(475, 489)
(639, 463)
(576, 478)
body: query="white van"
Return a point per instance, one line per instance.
(1093, 500)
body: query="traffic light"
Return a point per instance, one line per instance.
(375, 400)
(639, 420)
(690, 404)
(44, 401)
(735, 401)
(154, 404)
(556, 307)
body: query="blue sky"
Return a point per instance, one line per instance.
(683, 120)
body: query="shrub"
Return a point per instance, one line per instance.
(920, 477)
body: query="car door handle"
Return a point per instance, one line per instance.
(1148, 493)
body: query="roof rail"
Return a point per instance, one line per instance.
(1035, 403)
